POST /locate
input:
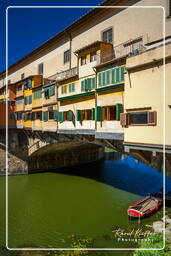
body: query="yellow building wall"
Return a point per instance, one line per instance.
(145, 88)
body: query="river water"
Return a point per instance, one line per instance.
(47, 209)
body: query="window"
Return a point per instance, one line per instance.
(86, 114)
(28, 100)
(107, 36)
(111, 76)
(109, 113)
(19, 101)
(38, 115)
(9, 81)
(71, 87)
(19, 116)
(28, 116)
(19, 87)
(67, 56)
(22, 76)
(64, 89)
(37, 94)
(88, 84)
(139, 118)
(168, 11)
(40, 69)
(49, 91)
(83, 60)
(93, 56)
(27, 84)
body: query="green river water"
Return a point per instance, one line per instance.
(89, 201)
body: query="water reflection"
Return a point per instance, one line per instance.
(125, 173)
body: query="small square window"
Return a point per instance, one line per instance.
(83, 60)
(107, 36)
(40, 69)
(67, 56)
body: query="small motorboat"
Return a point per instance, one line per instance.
(145, 206)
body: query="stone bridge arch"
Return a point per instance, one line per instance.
(64, 154)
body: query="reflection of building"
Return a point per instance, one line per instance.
(107, 66)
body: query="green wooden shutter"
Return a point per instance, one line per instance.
(54, 115)
(86, 85)
(45, 116)
(108, 77)
(78, 115)
(122, 70)
(60, 116)
(73, 87)
(83, 85)
(117, 74)
(69, 115)
(93, 114)
(119, 110)
(98, 113)
(32, 116)
(103, 78)
(24, 117)
(30, 99)
(93, 83)
(99, 79)
(70, 87)
(25, 100)
(113, 75)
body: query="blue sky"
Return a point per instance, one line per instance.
(28, 28)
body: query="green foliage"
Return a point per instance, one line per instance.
(156, 242)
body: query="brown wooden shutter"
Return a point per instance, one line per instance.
(124, 119)
(152, 118)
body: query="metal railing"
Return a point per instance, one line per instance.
(121, 50)
(67, 74)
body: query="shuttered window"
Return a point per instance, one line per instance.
(64, 89)
(88, 84)
(72, 87)
(139, 118)
(28, 100)
(49, 91)
(37, 94)
(19, 101)
(111, 76)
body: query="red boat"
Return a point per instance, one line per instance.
(144, 207)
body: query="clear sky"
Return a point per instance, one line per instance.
(28, 28)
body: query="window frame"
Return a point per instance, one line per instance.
(40, 65)
(84, 57)
(67, 56)
(105, 31)
(93, 56)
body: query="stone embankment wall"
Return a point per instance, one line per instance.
(60, 155)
